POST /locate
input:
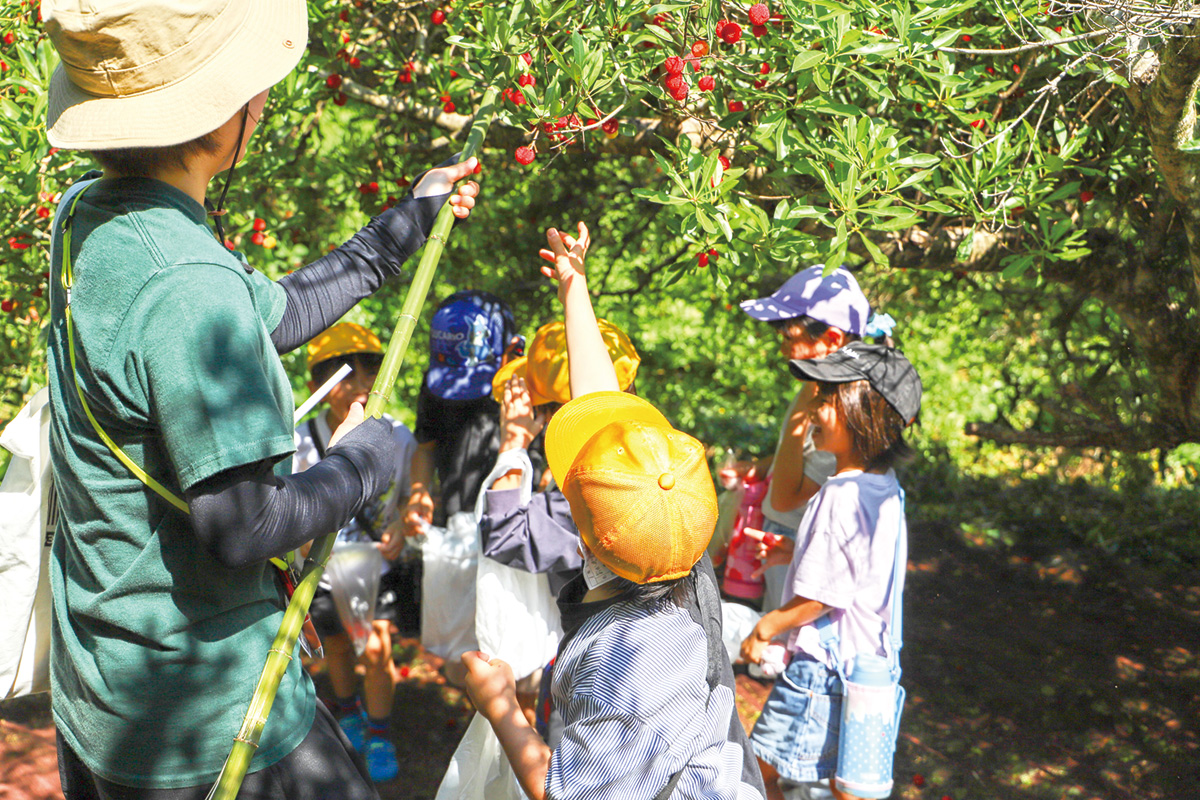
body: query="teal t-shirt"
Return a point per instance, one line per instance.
(156, 646)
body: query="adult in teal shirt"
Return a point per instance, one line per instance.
(163, 617)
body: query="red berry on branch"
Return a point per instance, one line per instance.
(1086, 196)
(342, 54)
(991, 70)
(38, 292)
(257, 238)
(1058, 28)
(3, 66)
(731, 33)
(344, 16)
(723, 161)
(525, 155)
(43, 212)
(966, 37)
(978, 124)
(1017, 211)
(339, 99)
(760, 84)
(453, 74)
(527, 80)
(448, 107)
(918, 780)
(404, 77)
(765, 69)
(759, 14)
(759, 31)
(706, 83)
(713, 254)
(680, 93)
(444, 98)
(875, 29)
(673, 82)
(438, 17)
(673, 65)
(259, 224)
(527, 58)
(9, 38)
(345, 38)
(354, 62)
(611, 126)
(700, 49)
(702, 259)
(333, 81)
(1017, 68)
(518, 97)
(478, 168)
(735, 106)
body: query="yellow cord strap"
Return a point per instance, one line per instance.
(68, 278)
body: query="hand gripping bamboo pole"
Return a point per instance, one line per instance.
(280, 655)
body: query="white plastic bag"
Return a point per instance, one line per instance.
(450, 556)
(27, 519)
(479, 770)
(516, 616)
(737, 621)
(354, 570)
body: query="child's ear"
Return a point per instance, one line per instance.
(836, 337)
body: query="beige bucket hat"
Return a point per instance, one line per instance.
(152, 73)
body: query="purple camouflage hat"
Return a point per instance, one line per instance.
(466, 343)
(834, 299)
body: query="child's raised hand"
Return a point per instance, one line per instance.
(519, 424)
(566, 253)
(490, 684)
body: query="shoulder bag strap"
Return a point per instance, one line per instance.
(828, 632)
(68, 279)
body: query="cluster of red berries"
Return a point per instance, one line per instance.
(703, 258)
(448, 104)
(18, 243)
(406, 75)
(514, 96)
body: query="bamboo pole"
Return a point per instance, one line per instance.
(280, 655)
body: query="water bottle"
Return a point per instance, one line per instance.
(868, 737)
(743, 560)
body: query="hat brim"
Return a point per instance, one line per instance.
(830, 369)
(765, 309)
(515, 368)
(461, 383)
(578, 421)
(266, 47)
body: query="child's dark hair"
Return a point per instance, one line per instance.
(876, 429)
(146, 162)
(323, 370)
(813, 329)
(652, 592)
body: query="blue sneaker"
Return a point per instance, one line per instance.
(381, 760)
(355, 728)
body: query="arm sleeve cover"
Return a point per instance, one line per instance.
(248, 514)
(320, 293)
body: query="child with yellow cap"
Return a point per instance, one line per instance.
(353, 345)
(641, 677)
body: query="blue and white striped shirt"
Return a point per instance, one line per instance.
(631, 686)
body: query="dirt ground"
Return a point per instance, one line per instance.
(1029, 675)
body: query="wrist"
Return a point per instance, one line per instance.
(515, 439)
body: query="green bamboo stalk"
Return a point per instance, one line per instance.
(280, 655)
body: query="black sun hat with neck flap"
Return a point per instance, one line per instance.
(885, 368)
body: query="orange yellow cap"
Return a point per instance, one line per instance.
(342, 339)
(640, 491)
(545, 368)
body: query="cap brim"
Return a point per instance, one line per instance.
(461, 383)
(264, 50)
(765, 309)
(578, 421)
(830, 369)
(515, 369)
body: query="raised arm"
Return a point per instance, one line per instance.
(588, 362)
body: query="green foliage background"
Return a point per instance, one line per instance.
(863, 124)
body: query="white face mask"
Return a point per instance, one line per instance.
(594, 572)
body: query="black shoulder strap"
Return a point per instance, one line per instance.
(316, 437)
(669, 789)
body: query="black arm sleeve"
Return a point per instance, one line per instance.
(248, 514)
(320, 293)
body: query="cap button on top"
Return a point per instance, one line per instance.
(666, 480)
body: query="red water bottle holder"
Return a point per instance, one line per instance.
(743, 561)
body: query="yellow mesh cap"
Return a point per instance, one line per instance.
(545, 368)
(640, 491)
(343, 339)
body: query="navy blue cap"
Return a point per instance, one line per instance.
(468, 335)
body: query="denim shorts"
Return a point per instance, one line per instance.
(797, 732)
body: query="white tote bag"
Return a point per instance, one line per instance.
(516, 616)
(517, 620)
(28, 514)
(450, 557)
